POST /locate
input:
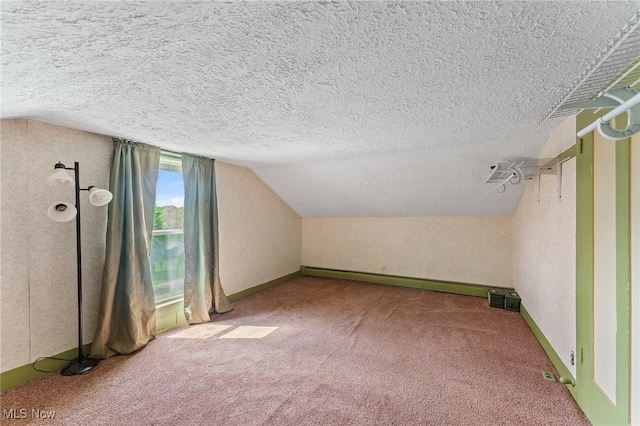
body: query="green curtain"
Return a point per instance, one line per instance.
(126, 320)
(203, 294)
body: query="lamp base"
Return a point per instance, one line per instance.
(80, 366)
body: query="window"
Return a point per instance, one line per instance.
(167, 244)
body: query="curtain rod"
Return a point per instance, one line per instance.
(165, 152)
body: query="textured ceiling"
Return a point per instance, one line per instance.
(343, 108)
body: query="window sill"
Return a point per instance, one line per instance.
(169, 302)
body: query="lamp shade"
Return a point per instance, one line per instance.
(61, 211)
(60, 177)
(99, 197)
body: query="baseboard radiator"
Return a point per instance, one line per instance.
(398, 281)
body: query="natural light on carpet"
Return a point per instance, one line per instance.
(249, 332)
(205, 331)
(202, 331)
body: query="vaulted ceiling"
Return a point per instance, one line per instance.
(343, 108)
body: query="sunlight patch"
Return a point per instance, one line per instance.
(249, 332)
(201, 331)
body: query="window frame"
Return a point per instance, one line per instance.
(169, 311)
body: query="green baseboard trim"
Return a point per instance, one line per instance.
(548, 349)
(398, 281)
(19, 375)
(262, 287)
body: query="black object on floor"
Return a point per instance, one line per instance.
(504, 298)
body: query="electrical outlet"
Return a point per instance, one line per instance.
(573, 358)
(384, 269)
(548, 376)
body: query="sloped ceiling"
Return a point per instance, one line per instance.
(343, 108)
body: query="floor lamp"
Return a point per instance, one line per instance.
(61, 211)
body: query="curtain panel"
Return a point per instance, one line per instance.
(203, 294)
(126, 320)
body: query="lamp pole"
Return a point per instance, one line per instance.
(82, 364)
(76, 169)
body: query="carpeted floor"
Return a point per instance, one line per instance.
(315, 351)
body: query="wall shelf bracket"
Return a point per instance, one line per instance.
(514, 172)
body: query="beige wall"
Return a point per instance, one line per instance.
(466, 249)
(259, 233)
(544, 272)
(38, 275)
